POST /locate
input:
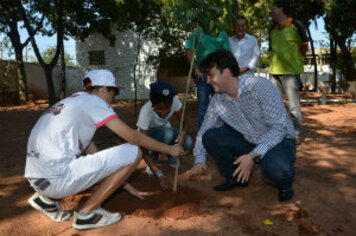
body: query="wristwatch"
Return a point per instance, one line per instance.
(255, 157)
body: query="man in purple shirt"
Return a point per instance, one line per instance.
(246, 124)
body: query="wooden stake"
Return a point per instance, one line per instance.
(175, 184)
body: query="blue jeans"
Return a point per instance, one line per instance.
(289, 85)
(168, 136)
(225, 143)
(204, 90)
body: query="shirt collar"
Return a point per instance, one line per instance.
(289, 21)
(241, 88)
(247, 36)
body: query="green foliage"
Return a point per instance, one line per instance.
(48, 54)
(210, 15)
(340, 21)
(86, 17)
(265, 59)
(175, 20)
(5, 46)
(257, 13)
(340, 17)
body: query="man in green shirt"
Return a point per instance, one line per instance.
(289, 43)
(208, 44)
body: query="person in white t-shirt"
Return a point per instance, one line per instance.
(154, 119)
(244, 47)
(62, 159)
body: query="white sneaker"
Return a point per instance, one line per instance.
(49, 207)
(95, 219)
(149, 171)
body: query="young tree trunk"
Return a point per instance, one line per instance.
(135, 69)
(50, 86)
(60, 35)
(348, 62)
(314, 61)
(63, 74)
(333, 61)
(21, 75)
(21, 79)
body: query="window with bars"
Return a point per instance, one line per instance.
(96, 58)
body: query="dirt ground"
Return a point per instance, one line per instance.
(325, 185)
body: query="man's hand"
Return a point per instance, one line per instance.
(165, 183)
(243, 170)
(134, 192)
(198, 169)
(176, 150)
(198, 74)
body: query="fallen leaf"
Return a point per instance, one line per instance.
(268, 222)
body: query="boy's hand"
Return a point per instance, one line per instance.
(175, 150)
(165, 183)
(181, 138)
(134, 192)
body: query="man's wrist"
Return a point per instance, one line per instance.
(256, 157)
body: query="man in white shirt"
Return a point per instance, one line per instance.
(244, 47)
(62, 159)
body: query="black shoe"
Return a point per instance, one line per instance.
(285, 195)
(229, 185)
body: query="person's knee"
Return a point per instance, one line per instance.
(168, 136)
(209, 139)
(188, 143)
(278, 173)
(138, 156)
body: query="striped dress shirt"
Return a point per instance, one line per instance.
(258, 114)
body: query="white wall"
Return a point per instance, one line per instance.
(121, 60)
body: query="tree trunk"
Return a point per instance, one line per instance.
(348, 62)
(350, 89)
(333, 61)
(21, 79)
(314, 61)
(50, 86)
(235, 8)
(21, 75)
(60, 35)
(136, 65)
(63, 74)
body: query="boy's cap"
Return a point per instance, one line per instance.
(101, 78)
(162, 88)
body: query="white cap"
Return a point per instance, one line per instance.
(101, 78)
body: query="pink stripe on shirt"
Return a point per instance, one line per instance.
(103, 122)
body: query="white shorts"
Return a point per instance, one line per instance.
(88, 170)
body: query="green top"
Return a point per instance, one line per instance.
(208, 44)
(286, 44)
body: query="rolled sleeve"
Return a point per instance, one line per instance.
(211, 120)
(252, 64)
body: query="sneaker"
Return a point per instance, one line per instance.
(49, 207)
(149, 171)
(95, 219)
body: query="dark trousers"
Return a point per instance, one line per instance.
(225, 144)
